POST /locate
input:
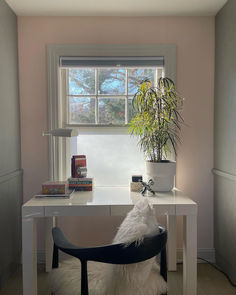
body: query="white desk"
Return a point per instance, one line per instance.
(110, 201)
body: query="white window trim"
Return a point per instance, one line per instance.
(55, 107)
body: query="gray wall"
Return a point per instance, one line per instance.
(225, 139)
(10, 172)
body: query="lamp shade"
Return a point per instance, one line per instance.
(62, 132)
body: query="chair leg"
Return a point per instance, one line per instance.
(84, 278)
(55, 257)
(163, 264)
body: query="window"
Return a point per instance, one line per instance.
(101, 94)
(112, 155)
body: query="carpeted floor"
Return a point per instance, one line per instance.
(210, 282)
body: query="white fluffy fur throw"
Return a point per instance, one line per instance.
(104, 279)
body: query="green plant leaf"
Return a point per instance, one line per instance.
(158, 120)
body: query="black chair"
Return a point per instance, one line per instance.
(152, 245)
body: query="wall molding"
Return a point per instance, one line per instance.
(204, 253)
(224, 174)
(10, 175)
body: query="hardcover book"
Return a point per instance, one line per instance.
(66, 195)
(55, 187)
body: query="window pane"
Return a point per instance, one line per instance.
(81, 81)
(111, 158)
(111, 110)
(81, 110)
(131, 110)
(111, 81)
(136, 76)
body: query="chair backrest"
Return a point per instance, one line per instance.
(151, 245)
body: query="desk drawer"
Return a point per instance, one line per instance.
(78, 210)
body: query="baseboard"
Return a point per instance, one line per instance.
(8, 271)
(204, 253)
(41, 256)
(227, 266)
(207, 254)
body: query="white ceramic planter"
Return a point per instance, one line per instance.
(163, 175)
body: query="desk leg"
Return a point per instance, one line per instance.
(171, 242)
(190, 255)
(29, 256)
(50, 222)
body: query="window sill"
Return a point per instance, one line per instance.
(100, 129)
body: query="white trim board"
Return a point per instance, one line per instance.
(224, 174)
(204, 253)
(10, 175)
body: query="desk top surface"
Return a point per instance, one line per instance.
(111, 196)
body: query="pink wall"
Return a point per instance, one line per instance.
(194, 37)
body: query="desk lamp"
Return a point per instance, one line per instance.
(60, 132)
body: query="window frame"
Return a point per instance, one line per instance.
(56, 107)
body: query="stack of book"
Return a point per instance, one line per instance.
(78, 181)
(55, 189)
(81, 184)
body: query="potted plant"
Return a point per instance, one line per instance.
(157, 124)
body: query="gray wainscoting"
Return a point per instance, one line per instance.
(225, 223)
(10, 223)
(225, 140)
(10, 166)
